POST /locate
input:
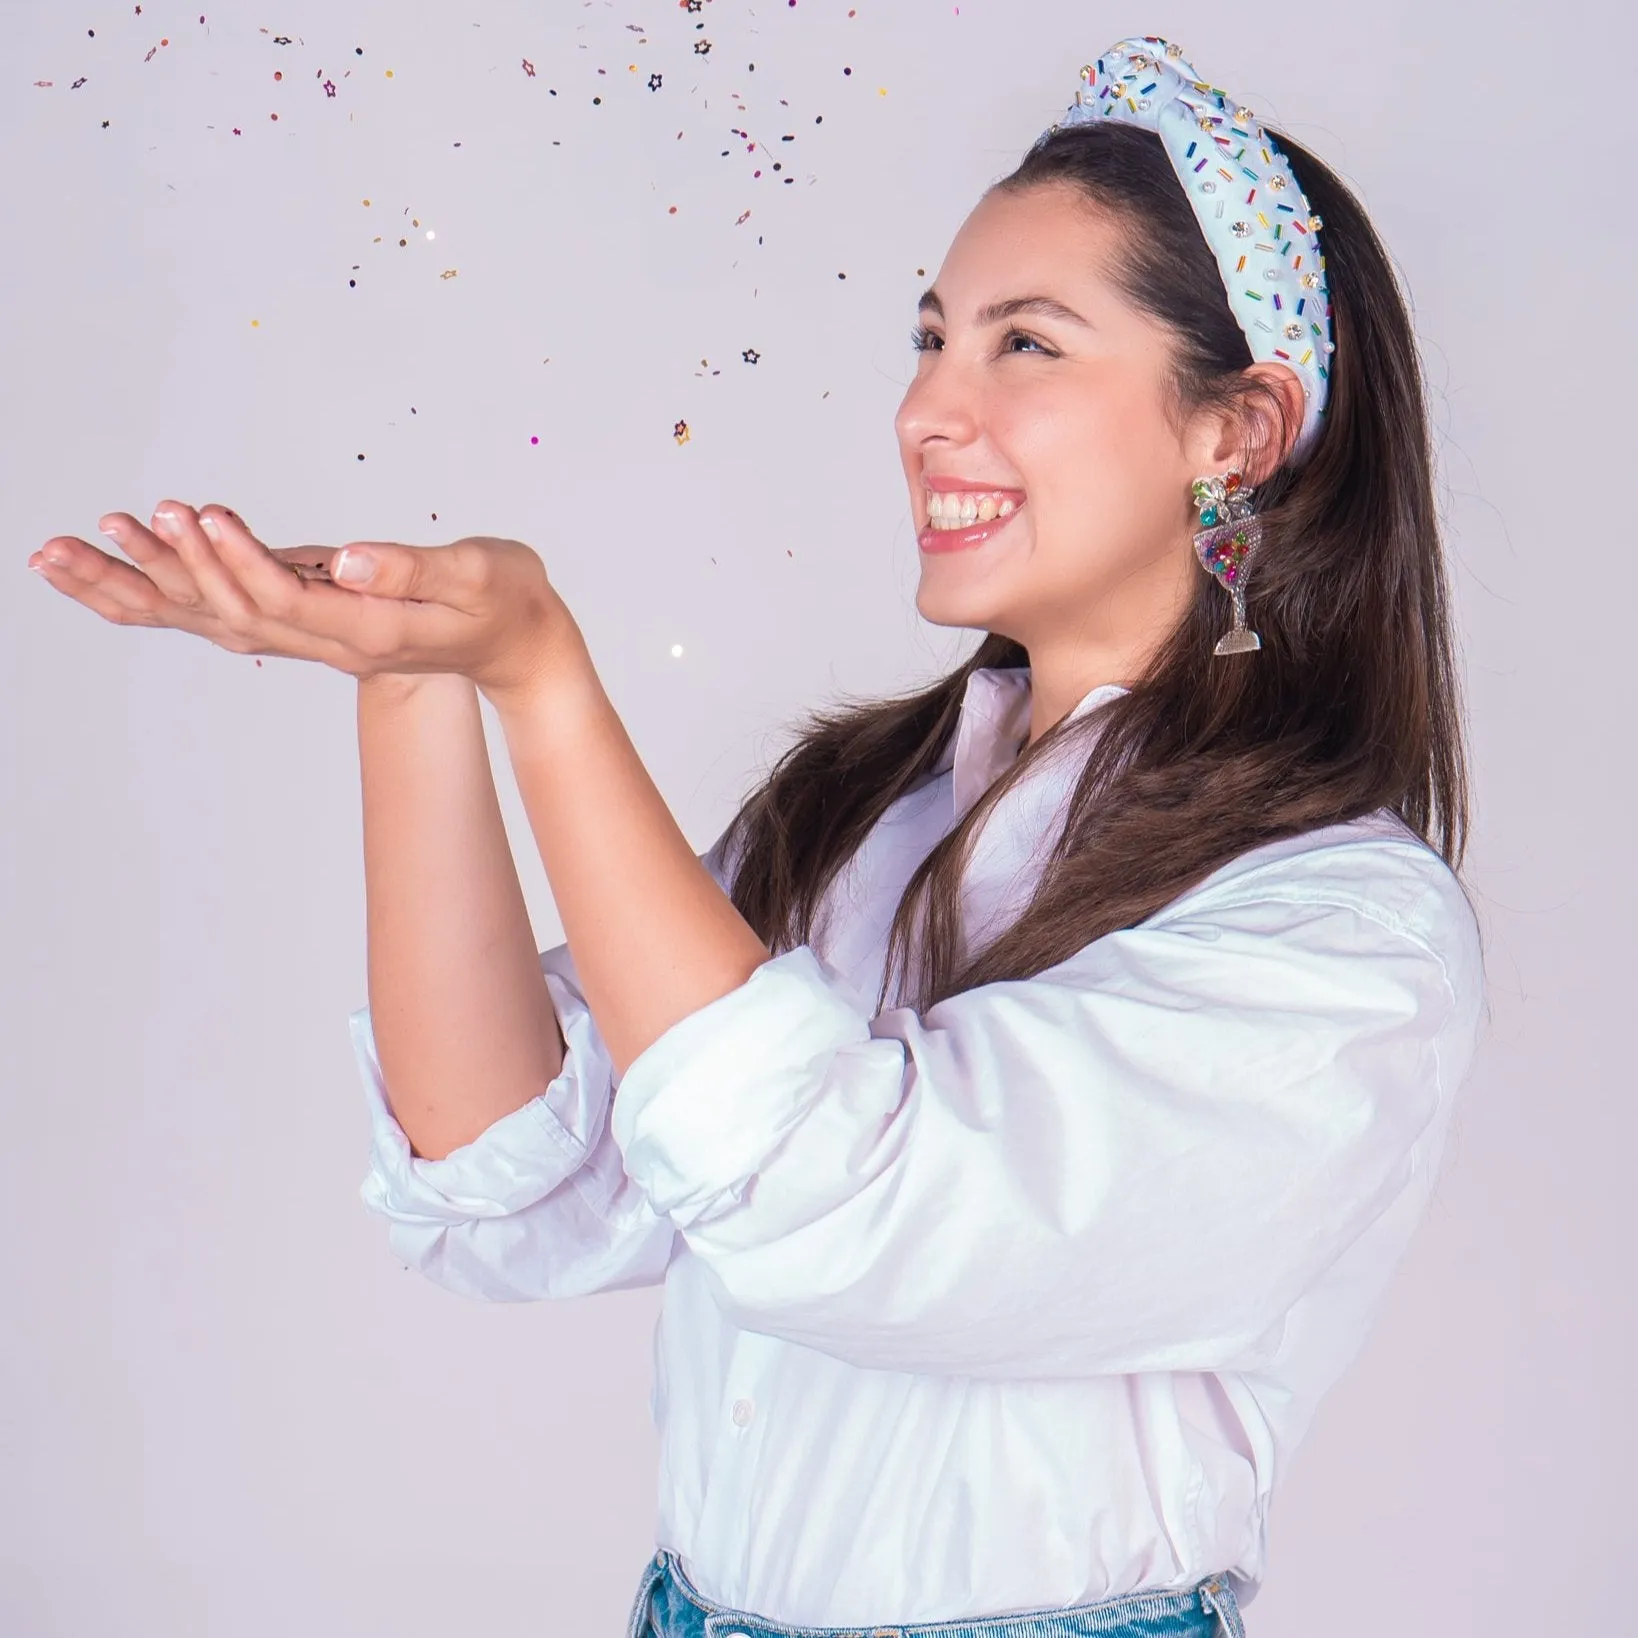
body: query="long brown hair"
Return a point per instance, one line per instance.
(1351, 705)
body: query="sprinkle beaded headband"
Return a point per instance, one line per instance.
(1249, 206)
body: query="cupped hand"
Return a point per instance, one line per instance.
(481, 606)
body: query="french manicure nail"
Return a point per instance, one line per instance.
(350, 565)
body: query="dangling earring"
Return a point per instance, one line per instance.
(1225, 547)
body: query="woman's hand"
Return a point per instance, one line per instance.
(482, 606)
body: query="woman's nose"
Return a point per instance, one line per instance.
(937, 404)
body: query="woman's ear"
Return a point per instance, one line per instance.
(1271, 420)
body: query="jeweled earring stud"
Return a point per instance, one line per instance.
(1225, 547)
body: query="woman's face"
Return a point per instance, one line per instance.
(1064, 409)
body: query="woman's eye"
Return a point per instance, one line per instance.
(1020, 335)
(922, 340)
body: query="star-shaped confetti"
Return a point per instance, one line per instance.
(702, 48)
(681, 433)
(750, 355)
(654, 82)
(528, 68)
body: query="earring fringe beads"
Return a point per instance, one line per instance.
(1225, 547)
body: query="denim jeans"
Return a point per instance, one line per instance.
(668, 1605)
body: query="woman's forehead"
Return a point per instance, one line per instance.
(1041, 242)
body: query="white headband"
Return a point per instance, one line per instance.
(1264, 239)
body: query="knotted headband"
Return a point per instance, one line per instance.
(1254, 216)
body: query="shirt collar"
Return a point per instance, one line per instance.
(994, 726)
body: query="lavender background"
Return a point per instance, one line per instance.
(224, 1408)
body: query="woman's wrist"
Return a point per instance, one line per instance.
(404, 685)
(556, 675)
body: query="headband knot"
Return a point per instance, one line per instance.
(1253, 213)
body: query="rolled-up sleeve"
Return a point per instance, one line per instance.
(1137, 1160)
(539, 1204)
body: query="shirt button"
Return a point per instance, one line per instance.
(743, 1411)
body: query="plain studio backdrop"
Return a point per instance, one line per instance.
(471, 279)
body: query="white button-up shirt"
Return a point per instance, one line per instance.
(1024, 1302)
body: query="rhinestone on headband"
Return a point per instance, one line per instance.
(1275, 282)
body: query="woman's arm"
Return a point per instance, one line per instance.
(655, 936)
(463, 1024)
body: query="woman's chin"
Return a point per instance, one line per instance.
(953, 605)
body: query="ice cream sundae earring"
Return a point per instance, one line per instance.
(1225, 546)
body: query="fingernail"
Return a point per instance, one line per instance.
(209, 526)
(350, 565)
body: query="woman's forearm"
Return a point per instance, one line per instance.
(464, 1028)
(654, 937)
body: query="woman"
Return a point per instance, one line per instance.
(1026, 1100)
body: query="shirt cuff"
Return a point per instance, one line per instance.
(701, 1109)
(513, 1162)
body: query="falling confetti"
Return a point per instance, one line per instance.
(751, 151)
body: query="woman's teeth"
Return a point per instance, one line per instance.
(949, 509)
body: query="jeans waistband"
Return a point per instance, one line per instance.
(669, 1605)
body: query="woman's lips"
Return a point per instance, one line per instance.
(957, 540)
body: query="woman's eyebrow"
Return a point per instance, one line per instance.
(996, 311)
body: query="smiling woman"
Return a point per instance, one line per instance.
(1027, 1098)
